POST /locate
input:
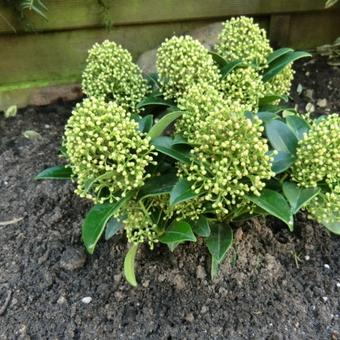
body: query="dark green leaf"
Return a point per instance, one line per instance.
(219, 241)
(267, 116)
(181, 192)
(298, 197)
(281, 136)
(158, 186)
(112, 227)
(298, 125)
(280, 63)
(278, 53)
(201, 227)
(272, 108)
(219, 60)
(214, 267)
(145, 123)
(178, 139)
(147, 101)
(96, 219)
(282, 161)
(178, 231)
(129, 265)
(55, 172)
(271, 99)
(152, 80)
(274, 204)
(165, 145)
(163, 123)
(228, 67)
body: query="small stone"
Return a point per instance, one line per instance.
(190, 317)
(179, 282)
(146, 283)
(309, 93)
(72, 259)
(307, 74)
(307, 257)
(299, 89)
(310, 107)
(61, 300)
(200, 272)
(327, 266)
(325, 298)
(204, 309)
(338, 284)
(322, 103)
(86, 299)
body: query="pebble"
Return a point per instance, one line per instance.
(309, 93)
(299, 89)
(322, 102)
(338, 284)
(325, 298)
(200, 272)
(310, 107)
(189, 317)
(61, 300)
(307, 257)
(327, 266)
(86, 299)
(72, 259)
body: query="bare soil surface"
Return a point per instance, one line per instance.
(274, 284)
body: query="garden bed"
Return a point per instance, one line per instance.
(275, 284)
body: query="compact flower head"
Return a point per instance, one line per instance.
(107, 153)
(183, 62)
(242, 39)
(111, 74)
(280, 84)
(318, 154)
(243, 84)
(229, 160)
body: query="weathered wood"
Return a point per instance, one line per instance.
(279, 30)
(75, 14)
(61, 55)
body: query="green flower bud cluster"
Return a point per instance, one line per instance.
(107, 153)
(183, 62)
(280, 84)
(229, 161)
(245, 85)
(139, 224)
(110, 73)
(318, 154)
(242, 39)
(197, 103)
(325, 208)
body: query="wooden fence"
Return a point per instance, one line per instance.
(53, 54)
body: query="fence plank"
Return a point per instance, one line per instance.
(75, 14)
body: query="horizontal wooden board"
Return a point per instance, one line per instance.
(75, 14)
(60, 55)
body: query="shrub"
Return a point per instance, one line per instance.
(230, 155)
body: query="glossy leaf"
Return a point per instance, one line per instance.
(281, 62)
(145, 123)
(272, 99)
(229, 67)
(298, 197)
(333, 227)
(201, 227)
(282, 161)
(267, 116)
(219, 241)
(129, 265)
(96, 219)
(181, 192)
(178, 231)
(281, 136)
(278, 53)
(163, 123)
(274, 204)
(55, 172)
(112, 227)
(272, 108)
(298, 125)
(154, 100)
(153, 80)
(158, 186)
(165, 145)
(219, 60)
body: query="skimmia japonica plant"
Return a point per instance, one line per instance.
(184, 153)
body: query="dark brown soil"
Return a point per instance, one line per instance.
(274, 285)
